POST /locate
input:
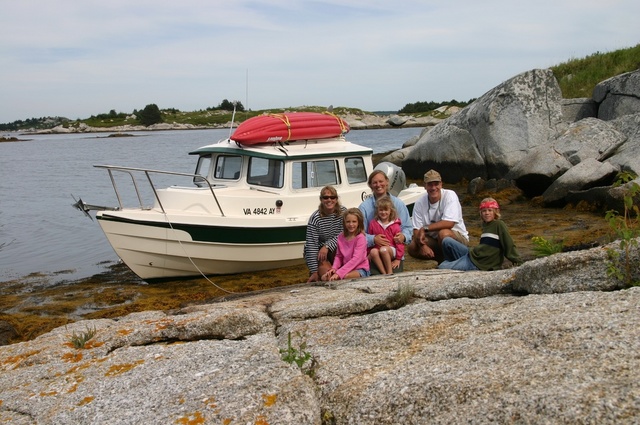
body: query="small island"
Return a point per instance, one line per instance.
(12, 139)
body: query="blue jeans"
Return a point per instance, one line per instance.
(456, 256)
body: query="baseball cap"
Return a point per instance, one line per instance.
(432, 176)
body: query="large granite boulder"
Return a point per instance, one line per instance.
(538, 169)
(491, 135)
(627, 156)
(587, 174)
(396, 157)
(397, 120)
(579, 108)
(587, 138)
(618, 96)
(523, 130)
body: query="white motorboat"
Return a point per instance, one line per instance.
(244, 209)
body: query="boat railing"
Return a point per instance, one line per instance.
(131, 171)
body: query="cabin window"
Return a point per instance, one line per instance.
(266, 172)
(356, 173)
(315, 174)
(202, 169)
(228, 167)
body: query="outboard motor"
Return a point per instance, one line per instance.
(397, 179)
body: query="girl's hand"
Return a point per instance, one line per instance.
(335, 276)
(395, 264)
(328, 275)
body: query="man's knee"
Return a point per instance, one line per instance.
(445, 233)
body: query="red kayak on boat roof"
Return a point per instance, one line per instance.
(289, 126)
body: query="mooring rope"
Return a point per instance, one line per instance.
(166, 216)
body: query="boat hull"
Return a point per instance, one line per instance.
(158, 250)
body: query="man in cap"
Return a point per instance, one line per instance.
(436, 215)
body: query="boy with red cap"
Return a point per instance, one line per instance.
(495, 244)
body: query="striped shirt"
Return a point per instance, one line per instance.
(321, 231)
(495, 243)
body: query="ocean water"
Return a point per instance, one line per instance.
(40, 232)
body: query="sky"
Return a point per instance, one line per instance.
(75, 58)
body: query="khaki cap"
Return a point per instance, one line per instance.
(432, 176)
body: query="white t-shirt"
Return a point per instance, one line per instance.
(447, 208)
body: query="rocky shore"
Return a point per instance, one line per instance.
(361, 121)
(552, 341)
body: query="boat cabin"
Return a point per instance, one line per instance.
(296, 166)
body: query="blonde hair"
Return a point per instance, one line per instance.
(386, 203)
(337, 210)
(375, 173)
(360, 217)
(496, 211)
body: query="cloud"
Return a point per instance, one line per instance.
(77, 59)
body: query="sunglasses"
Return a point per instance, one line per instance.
(329, 197)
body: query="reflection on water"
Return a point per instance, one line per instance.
(41, 232)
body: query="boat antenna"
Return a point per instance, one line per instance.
(233, 117)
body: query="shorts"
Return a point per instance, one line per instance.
(364, 273)
(460, 238)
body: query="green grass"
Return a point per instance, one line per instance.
(81, 339)
(578, 77)
(543, 247)
(400, 297)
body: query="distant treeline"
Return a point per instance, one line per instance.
(412, 108)
(149, 115)
(35, 123)
(227, 105)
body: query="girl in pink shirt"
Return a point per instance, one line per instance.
(386, 223)
(351, 256)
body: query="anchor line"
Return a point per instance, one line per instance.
(166, 217)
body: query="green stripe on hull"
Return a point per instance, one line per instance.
(224, 234)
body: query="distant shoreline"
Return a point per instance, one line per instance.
(355, 122)
(117, 132)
